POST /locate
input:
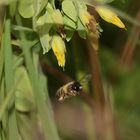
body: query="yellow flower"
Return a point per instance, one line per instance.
(58, 47)
(85, 17)
(109, 16)
(89, 21)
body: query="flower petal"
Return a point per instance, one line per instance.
(58, 47)
(88, 21)
(109, 16)
(85, 16)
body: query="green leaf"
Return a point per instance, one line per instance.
(69, 33)
(69, 23)
(13, 6)
(69, 9)
(81, 30)
(18, 28)
(13, 134)
(44, 19)
(104, 1)
(24, 100)
(49, 8)
(50, 131)
(39, 6)
(52, 18)
(26, 8)
(43, 26)
(81, 5)
(8, 57)
(5, 103)
(57, 17)
(2, 58)
(9, 80)
(28, 126)
(45, 42)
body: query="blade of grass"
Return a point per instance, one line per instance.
(13, 129)
(2, 15)
(3, 123)
(48, 102)
(19, 60)
(9, 79)
(1, 97)
(49, 127)
(8, 57)
(28, 131)
(42, 79)
(1, 60)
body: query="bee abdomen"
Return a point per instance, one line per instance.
(60, 95)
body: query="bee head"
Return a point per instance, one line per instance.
(76, 86)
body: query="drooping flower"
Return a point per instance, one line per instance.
(59, 49)
(109, 16)
(89, 21)
(85, 16)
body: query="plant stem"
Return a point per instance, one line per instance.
(95, 70)
(104, 128)
(130, 46)
(48, 124)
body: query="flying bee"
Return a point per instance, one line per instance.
(70, 89)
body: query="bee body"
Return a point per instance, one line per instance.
(68, 90)
(71, 89)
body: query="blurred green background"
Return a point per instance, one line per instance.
(36, 114)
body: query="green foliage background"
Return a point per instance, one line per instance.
(29, 79)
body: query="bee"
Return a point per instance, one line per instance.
(71, 89)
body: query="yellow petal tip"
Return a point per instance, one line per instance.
(109, 16)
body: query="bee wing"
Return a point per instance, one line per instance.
(85, 78)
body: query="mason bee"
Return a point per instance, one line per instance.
(70, 89)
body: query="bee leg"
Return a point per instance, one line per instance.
(61, 99)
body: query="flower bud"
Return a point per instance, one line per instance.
(109, 16)
(88, 20)
(85, 17)
(58, 47)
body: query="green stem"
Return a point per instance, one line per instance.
(49, 127)
(7, 100)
